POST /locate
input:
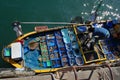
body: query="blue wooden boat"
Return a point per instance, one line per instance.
(50, 49)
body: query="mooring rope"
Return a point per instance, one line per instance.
(94, 11)
(103, 73)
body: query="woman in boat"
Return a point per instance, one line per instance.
(94, 34)
(99, 32)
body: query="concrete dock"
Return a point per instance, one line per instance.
(94, 74)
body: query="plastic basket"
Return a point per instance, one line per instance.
(72, 61)
(79, 60)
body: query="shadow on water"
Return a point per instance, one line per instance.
(47, 10)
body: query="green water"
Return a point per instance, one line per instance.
(46, 10)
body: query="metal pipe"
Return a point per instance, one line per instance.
(46, 23)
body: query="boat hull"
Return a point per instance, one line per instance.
(52, 49)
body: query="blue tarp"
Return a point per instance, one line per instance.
(31, 59)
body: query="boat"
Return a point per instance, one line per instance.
(50, 49)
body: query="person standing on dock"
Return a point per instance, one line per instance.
(17, 28)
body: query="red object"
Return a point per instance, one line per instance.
(21, 41)
(41, 28)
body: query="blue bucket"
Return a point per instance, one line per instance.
(82, 28)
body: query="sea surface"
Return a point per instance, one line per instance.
(48, 11)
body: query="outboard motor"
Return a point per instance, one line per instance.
(17, 28)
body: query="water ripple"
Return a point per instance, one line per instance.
(106, 11)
